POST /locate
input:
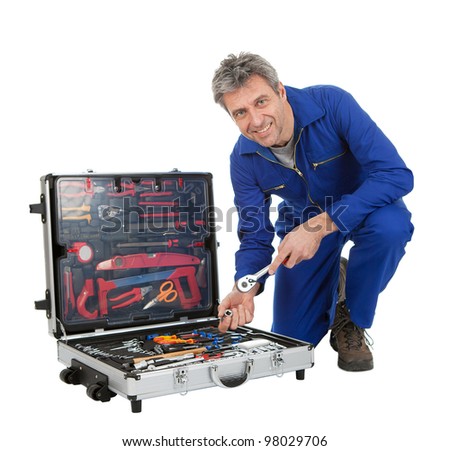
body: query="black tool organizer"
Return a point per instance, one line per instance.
(112, 236)
(131, 273)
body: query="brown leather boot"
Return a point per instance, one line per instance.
(350, 342)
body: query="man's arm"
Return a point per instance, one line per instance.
(388, 179)
(303, 242)
(255, 234)
(255, 230)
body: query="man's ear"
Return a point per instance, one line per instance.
(282, 90)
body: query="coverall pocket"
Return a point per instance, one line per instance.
(274, 189)
(316, 162)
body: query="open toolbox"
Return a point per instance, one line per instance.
(132, 289)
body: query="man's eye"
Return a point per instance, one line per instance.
(262, 102)
(239, 114)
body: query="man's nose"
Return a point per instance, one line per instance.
(256, 118)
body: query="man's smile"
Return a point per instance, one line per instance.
(263, 130)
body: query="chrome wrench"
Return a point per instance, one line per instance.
(246, 283)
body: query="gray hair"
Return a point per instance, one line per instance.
(234, 71)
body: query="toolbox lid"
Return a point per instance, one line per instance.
(125, 250)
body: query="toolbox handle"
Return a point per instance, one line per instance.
(231, 382)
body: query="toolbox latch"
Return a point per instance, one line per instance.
(39, 208)
(278, 362)
(181, 380)
(44, 304)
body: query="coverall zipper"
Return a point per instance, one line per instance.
(315, 165)
(275, 188)
(297, 170)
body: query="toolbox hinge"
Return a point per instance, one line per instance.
(44, 304)
(39, 209)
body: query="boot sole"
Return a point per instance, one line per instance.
(358, 365)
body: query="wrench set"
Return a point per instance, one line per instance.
(132, 289)
(161, 349)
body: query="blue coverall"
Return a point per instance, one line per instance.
(346, 166)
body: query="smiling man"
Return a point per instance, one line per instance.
(340, 179)
(262, 114)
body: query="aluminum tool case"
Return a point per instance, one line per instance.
(132, 289)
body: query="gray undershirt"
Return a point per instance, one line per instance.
(285, 155)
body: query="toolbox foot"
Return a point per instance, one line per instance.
(136, 406)
(300, 375)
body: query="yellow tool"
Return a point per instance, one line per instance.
(82, 208)
(78, 218)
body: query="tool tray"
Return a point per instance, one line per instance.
(132, 289)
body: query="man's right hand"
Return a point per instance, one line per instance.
(241, 304)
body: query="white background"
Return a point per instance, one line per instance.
(125, 86)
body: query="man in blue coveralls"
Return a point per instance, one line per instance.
(339, 178)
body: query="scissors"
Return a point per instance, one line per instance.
(166, 294)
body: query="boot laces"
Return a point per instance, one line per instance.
(353, 334)
(354, 337)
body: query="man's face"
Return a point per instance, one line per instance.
(261, 114)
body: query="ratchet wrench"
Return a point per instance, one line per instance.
(246, 283)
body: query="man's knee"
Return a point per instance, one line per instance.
(389, 225)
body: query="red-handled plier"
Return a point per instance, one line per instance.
(134, 295)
